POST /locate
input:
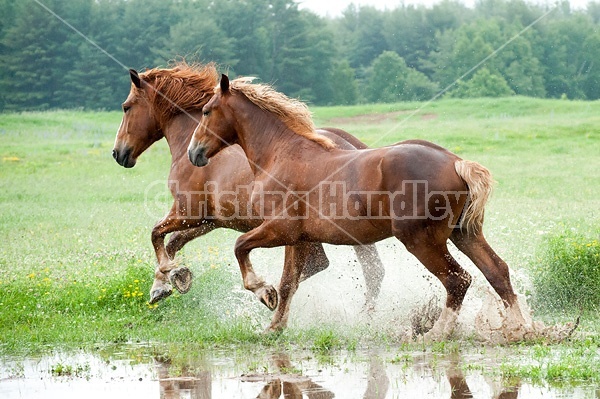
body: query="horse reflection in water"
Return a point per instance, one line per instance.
(282, 384)
(167, 103)
(193, 385)
(459, 387)
(286, 386)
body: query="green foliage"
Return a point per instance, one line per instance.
(326, 340)
(558, 366)
(344, 85)
(46, 65)
(482, 84)
(391, 80)
(471, 43)
(567, 273)
(67, 370)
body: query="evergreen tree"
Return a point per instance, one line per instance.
(367, 40)
(246, 23)
(99, 81)
(404, 53)
(344, 84)
(302, 57)
(40, 51)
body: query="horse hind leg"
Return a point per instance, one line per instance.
(436, 258)
(491, 265)
(373, 271)
(496, 272)
(315, 262)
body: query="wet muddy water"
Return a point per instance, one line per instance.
(149, 373)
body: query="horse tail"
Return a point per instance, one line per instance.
(479, 183)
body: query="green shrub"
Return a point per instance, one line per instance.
(567, 273)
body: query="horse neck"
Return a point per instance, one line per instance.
(178, 133)
(264, 137)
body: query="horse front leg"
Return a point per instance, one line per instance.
(297, 258)
(179, 239)
(261, 237)
(166, 272)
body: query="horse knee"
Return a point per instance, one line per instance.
(157, 235)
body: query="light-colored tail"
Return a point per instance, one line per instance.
(479, 181)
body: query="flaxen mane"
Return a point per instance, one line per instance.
(182, 88)
(294, 113)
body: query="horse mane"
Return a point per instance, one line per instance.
(182, 88)
(293, 113)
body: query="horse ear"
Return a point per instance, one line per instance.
(224, 84)
(135, 78)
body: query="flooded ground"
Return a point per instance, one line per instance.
(147, 372)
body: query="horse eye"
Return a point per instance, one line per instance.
(126, 108)
(205, 113)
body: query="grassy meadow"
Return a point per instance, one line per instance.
(76, 263)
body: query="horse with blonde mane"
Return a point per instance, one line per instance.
(416, 191)
(167, 103)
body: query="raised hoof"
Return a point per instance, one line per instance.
(268, 296)
(158, 294)
(181, 278)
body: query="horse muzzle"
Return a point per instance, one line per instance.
(197, 156)
(124, 158)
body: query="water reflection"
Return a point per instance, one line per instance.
(460, 388)
(286, 380)
(295, 374)
(377, 381)
(188, 385)
(291, 386)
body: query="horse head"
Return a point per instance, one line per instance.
(139, 127)
(216, 129)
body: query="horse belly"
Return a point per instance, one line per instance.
(346, 231)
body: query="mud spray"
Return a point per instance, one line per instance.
(410, 299)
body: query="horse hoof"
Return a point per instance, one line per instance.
(181, 278)
(269, 297)
(158, 294)
(274, 330)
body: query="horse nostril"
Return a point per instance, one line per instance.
(114, 154)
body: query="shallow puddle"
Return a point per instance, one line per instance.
(144, 372)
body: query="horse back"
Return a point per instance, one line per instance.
(420, 160)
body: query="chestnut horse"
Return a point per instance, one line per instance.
(415, 191)
(167, 103)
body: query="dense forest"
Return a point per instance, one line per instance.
(364, 55)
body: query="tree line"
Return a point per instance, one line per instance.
(364, 55)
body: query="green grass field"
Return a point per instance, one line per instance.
(76, 261)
